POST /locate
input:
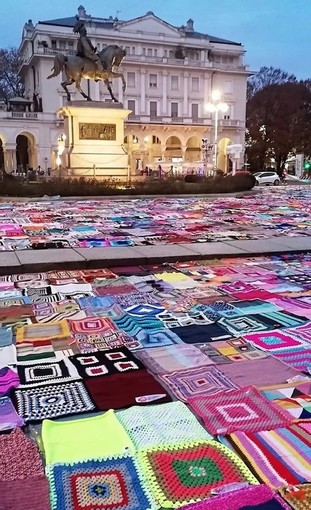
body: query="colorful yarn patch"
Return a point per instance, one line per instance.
(184, 473)
(9, 419)
(125, 389)
(106, 362)
(273, 340)
(20, 457)
(280, 457)
(192, 382)
(8, 380)
(294, 399)
(36, 332)
(76, 440)
(299, 497)
(110, 484)
(34, 491)
(243, 409)
(52, 401)
(175, 357)
(43, 373)
(256, 497)
(160, 425)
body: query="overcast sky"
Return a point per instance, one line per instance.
(274, 32)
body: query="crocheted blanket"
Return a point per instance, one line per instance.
(243, 409)
(192, 382)
(163, 424)
(52, 401)
(125, 389)
(292, 398)
(106, 363)
(88, 438)
(9, 419)
(280, 457)
(39, 374)
(299, 497)
(20, 458)
(33, 492)
(256, 497)
(188, 472)
(162, 360)
(114, 484)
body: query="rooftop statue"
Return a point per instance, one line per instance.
(89, 64)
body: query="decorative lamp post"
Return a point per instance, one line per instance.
(215, 106)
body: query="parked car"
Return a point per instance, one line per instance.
(267, 178)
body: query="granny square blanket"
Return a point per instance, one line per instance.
(188, 472)
(242, 409)
(106, 362)
(192, 382)
(52, 401)
(110, 484)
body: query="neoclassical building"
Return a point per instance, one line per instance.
(171, 73)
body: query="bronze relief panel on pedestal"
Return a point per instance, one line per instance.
(89, 131)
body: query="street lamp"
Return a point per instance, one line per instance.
(215, 106)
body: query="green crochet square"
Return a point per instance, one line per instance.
(197, 472)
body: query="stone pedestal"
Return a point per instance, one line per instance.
(94, 137)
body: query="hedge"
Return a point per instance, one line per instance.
(93, 187)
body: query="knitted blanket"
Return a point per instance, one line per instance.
(20, 458)
(256, 497)
(280, 457)
(125, 389)
(88, 438)
(33, 492)
(299, 497)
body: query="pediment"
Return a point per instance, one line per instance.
(149, 24)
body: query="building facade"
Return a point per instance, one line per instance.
(170, 72)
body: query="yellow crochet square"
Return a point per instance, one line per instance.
(33, 332)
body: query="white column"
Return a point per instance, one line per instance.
(164, 91)
(186, 102)
(142, 91)
(207, 88)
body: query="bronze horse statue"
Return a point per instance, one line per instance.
(76, 68)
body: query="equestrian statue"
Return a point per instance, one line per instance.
(89, 64)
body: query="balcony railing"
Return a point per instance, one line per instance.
(231, 123)
(167, 119)
(36, 116)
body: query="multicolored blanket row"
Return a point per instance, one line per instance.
(183, 385)
(92, 224)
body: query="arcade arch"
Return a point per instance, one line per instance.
(193, 149)
(223, 161)
(26, 156)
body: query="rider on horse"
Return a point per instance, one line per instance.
(85, 48)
